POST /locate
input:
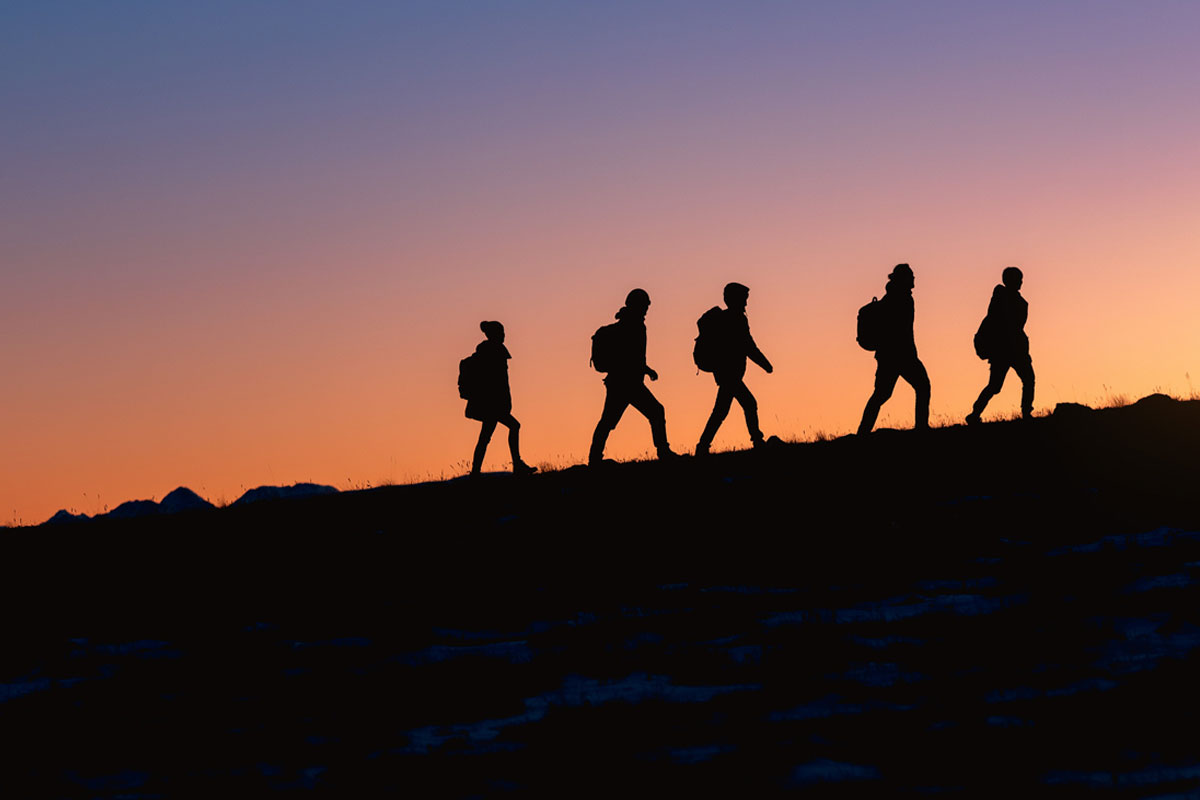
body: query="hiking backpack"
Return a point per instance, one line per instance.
(707, 348)
(468, 376)
(606, 345)
(985, 339)
(870, 325)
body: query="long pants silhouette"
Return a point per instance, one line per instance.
(619, 397)
(485, 436)
(1023, 366)
(728, 390)
(887, 372)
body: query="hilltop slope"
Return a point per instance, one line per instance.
(1077, 473)
(1009, 607)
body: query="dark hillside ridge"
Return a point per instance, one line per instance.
(783, 510)
(1136, 460)
(1142, 447)
(1007, 609)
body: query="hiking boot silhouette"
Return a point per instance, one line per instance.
(521, 468)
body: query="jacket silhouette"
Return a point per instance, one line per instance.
(733, 346)
(1008, 344)
(896, 357)
(625, 384)
(491, 402)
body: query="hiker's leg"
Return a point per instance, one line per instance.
(885, 383)
(750, 408)
(615, 402)
(514, 438)
(1024, 370)
(485, 436)
(645, 402)
(719, 412)
(918, 378)
(999, 369)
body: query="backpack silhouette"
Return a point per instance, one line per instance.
(985, 339)
(706, 351)
(468, 377)
(870, 325)
(606, 347)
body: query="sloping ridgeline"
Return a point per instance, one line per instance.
(1009, 608)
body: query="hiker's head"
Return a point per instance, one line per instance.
(492, 330)
(637, 303)
(902, 275)
(736, 295)
(1012, 277)
(638, 298)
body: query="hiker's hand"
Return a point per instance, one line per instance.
(769, 369)
(653, 375)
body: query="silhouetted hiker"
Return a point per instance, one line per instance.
(620, 350)
(722, 348)
(1002, 341)
(483, 382)
(895, 348)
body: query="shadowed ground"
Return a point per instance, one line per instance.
(1013, 607)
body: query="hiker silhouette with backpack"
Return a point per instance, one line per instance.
(886, 326)
(483, 383)
(619, 349)
(1001, 341)
(722, 348)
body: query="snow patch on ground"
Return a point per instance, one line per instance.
(896, 609)
(575, 692)
(517, 652)
(1145, 777)
(826, 771)
(1030, 693)
(1159, 537)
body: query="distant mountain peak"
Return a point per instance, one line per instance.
(62, 516)
(284, 492)
(183, 499)
(134, 508)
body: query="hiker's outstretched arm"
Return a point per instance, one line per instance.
(757, 356)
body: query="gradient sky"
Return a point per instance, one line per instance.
(248, 242)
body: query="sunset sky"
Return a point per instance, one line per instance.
(247, 243)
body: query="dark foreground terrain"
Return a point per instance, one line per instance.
(1011, 609)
